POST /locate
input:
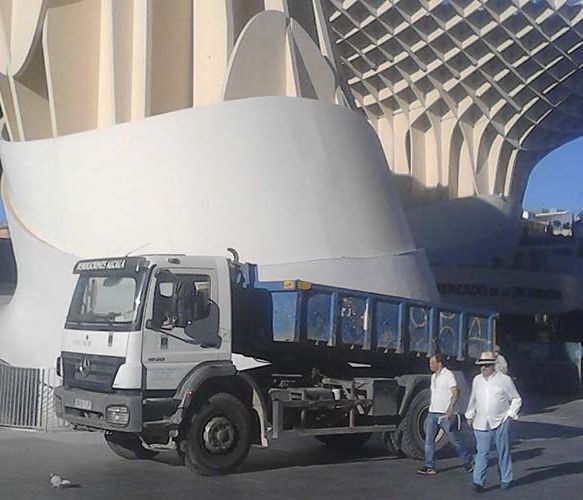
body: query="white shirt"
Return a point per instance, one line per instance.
(501, 364)
(492, 401)
(441, 384)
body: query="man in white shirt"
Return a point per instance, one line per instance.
(501, 363)
(493, 402)
(444, 394)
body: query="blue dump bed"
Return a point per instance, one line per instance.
(306, 313)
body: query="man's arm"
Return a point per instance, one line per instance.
(452, 401)
(515, 399)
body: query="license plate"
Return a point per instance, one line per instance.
(83, 404)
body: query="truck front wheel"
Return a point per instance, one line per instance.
(344, 441)
(219, 437)
(128, 446)
(411, 430)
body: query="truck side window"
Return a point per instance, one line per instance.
(194, 300)
(198, 314)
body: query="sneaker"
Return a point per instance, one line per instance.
(478, 488)
(427, 471)
(504, 486)
(469, 467)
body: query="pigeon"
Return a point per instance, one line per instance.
(59, 482)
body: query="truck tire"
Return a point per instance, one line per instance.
(128, 446)
(344, 441)
(411, 430)
(219, 436)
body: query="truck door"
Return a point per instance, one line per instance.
(182, 325)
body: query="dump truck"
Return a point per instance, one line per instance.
(198, 355)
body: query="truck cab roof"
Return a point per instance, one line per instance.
(126, 263)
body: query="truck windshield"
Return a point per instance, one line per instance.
(107, 302)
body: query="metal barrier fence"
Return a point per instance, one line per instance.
(26, 398)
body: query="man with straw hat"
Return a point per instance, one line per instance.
(493, 402)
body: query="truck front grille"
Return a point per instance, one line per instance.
(88, 371)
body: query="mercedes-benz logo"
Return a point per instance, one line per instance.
(85, 366)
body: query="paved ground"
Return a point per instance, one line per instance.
(548, 457)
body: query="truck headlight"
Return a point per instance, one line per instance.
(117, 415)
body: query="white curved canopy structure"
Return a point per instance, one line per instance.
(466, 95)
(173, 124)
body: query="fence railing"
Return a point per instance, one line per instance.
(26, 398)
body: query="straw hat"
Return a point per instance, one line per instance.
(486, 358)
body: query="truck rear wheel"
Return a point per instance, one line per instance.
(411, 431)
(128, 446)
(219, 437)
(344, 441)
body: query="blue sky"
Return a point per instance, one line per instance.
(555, 182)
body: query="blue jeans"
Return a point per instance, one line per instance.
(432, 424)
(502, 440)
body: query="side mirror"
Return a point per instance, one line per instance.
(165, 302)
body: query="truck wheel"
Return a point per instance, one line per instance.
(344, 441)
(219, 437)
(411, 431)
(128, 446)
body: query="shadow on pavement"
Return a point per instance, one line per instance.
(319, 457)
(519, 456)
(306, 454)
(545, 403)
(310, 455)
(550, 471)
(170, 459)
(538, 430)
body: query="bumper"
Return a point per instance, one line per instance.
(87, 408)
